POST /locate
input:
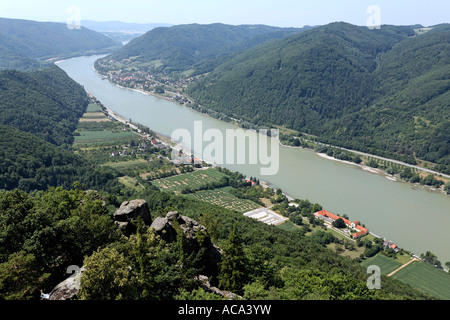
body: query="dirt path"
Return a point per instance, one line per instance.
(395, 271)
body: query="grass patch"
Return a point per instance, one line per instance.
(93, 107)
(288, 226)
(426, 278)
(131, 183)
(386, 264)
(125, 165)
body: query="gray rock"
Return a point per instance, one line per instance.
(67, 289)
(129, 211)
(224, 294)
(167, 228)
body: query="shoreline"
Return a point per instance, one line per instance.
(379, 172)
(382, 173)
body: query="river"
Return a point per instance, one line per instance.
(414, 218)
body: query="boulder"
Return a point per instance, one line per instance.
(129, 211)
(223, 293)
(67, 289)
(167, 228)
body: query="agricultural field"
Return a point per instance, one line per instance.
(93, 107)
(426, 278)
(223, 198)
(96, 128)
(126, 165)
(193, 180)
(131, 183)
(386, 264)
(103, 136)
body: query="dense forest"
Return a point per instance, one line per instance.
(41, 237)
(24, 43)
(39, 111)
(46, 103)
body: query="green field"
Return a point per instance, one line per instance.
(93, 107)
(125, 165)
(131, 183)
(386, 264)
(426, 278)
(192, 179)
(223, 198)
(90, 137)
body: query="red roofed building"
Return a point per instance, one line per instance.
(355, 224)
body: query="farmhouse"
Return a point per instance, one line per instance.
(388, 244)
(330, 217)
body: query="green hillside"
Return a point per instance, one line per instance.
(180, 47)
(39, 111)
(25, 40)
(380, 91)
(46, 103)
(29, 163)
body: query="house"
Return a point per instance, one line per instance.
(325, 215)
(361, 232)
(115, 154)
(389, 244)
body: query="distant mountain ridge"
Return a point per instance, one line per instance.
(25, 43)
(180, 47)
(115, 26)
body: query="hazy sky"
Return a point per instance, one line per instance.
(284, 13)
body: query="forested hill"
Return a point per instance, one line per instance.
(30, 163)
(381, 91)
(24, 41)
(39, 111)
(46, 103)
(180, 47)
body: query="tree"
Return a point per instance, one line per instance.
(233, 268)
(447, 264)
(430, 258)
(21, 277)
(107, 277)
(447, 187)
(339, 223)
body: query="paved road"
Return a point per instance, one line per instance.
(386, 159)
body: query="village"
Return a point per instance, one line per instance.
(153, 83)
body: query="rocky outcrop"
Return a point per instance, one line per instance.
(129, 211)
(196, 234)
(224, 294)
(168, 228)
(67, 289)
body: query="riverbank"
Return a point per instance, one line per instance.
(379, 171)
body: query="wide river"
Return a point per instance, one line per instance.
(412, 217)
